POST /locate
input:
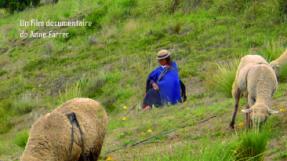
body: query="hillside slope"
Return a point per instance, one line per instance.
(110, 60)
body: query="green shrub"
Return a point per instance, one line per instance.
(252, 145)
(21, 138)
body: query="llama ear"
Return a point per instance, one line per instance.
(246, 110)
(272, 111)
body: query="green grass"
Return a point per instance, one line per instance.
(21, 138)
(5, 116)
(222, 78)
(283, 73)
(214, 152)
(160, 121)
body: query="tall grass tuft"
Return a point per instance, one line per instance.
(220, 151)
(71, 92)
(272, 50)
(252, 145)
(283, 73)
(222, 78)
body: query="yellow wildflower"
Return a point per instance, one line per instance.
(125, 107)
(241, 125)
(109, 158)
(282, 109)
(149, 130)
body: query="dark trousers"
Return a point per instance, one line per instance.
(152, 98)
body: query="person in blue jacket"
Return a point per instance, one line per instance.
(163, 85)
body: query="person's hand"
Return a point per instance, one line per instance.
(147, 108)
(155, 86)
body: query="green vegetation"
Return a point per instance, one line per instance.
(21, 138)
(214, 152)
(16, 5)
(109, 61)
(252, 146)
(223, 79)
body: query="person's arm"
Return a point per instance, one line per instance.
(155, 86)
(152, 79)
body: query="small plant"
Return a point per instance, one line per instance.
(252, 145)
(21, 138)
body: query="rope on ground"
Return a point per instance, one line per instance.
(163, 133)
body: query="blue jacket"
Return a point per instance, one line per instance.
(169, 85)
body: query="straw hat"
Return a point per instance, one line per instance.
(162, 54)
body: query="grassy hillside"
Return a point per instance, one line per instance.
(110, 60)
